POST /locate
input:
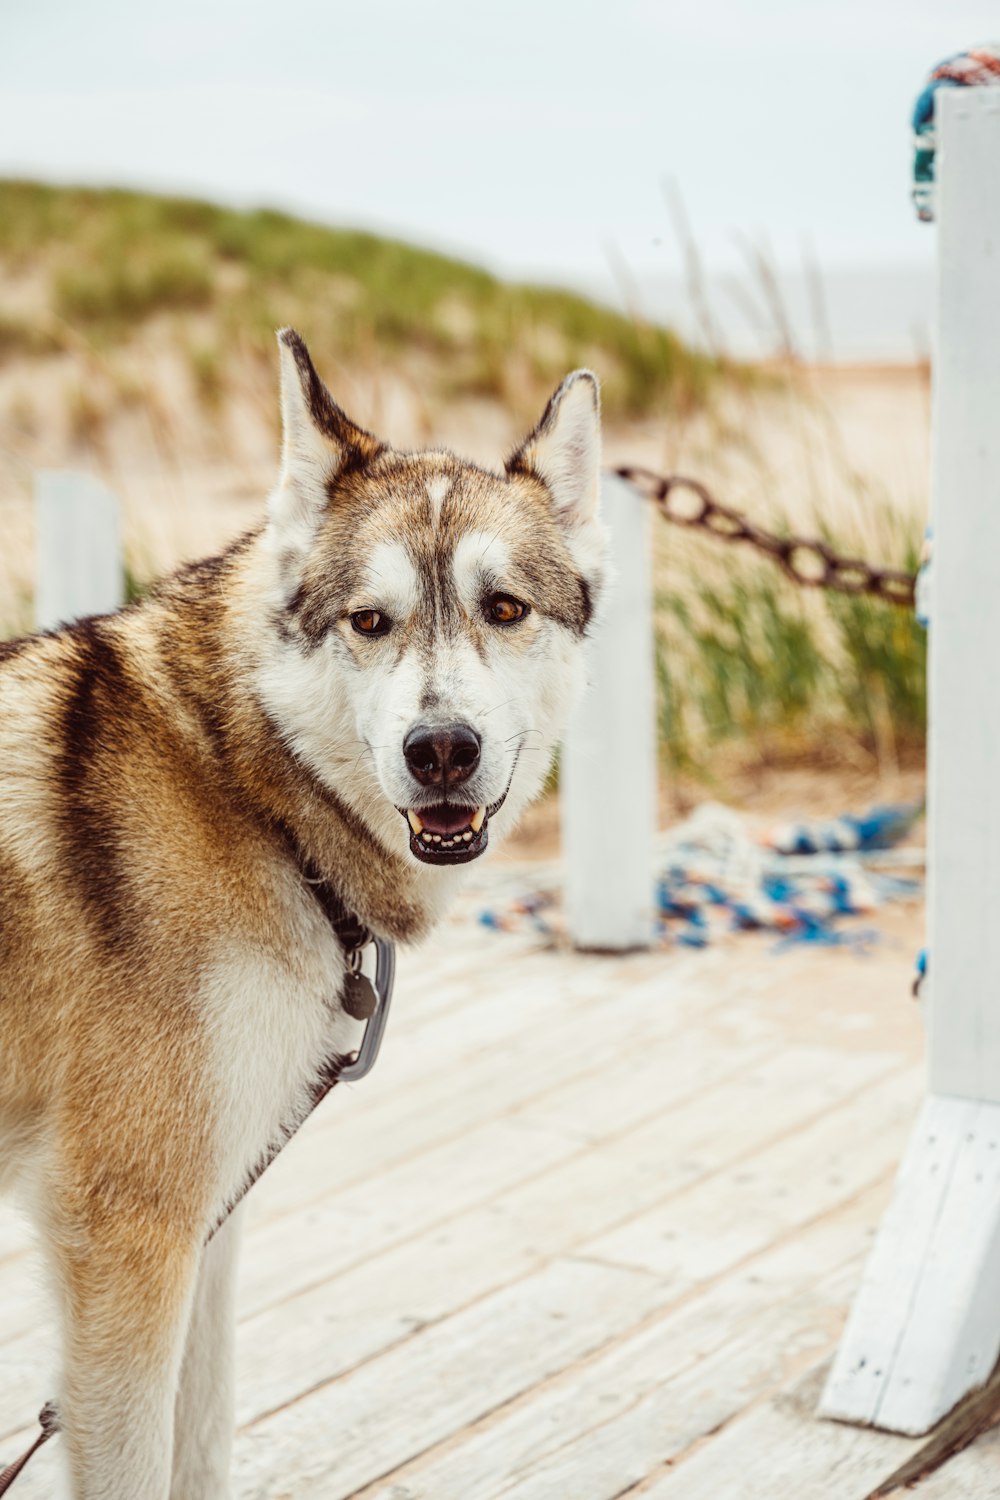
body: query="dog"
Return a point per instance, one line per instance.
(369, 685)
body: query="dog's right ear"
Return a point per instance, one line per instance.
(319, 441)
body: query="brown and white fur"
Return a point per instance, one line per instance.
(168, 981)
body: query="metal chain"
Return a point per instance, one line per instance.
(805, 560)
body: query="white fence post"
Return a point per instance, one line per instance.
(925, 1328)
(608, 766)
(79, 555)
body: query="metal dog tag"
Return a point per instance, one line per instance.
(385, 968)
(358, 996)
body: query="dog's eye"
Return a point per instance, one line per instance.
(503, 609)
(370, 622)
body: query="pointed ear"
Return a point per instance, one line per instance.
(319, 441)
(564, 451)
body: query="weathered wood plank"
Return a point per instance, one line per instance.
(601, 1426)
(926, 1325)
(308, 1245)
(736, 1213)
(344, 1318)
(972, 1475)
(337, 1438)
(964, 722)
(781, 1451)
(569, 1068)
(347, 1217)
(861, 1369)
(976, 1414)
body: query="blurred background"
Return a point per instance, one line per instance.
(457, 203)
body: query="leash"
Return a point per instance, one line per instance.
(48, 1420)
(364, 1000)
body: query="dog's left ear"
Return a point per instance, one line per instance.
(318, 442)
(564, 450)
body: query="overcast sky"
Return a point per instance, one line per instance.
(529, 135)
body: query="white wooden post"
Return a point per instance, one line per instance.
(608, 766)
(925, 1328)
(79, 556)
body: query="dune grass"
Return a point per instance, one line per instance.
(114, 259)
(747, 659)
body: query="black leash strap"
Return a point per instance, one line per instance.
(362, 1000)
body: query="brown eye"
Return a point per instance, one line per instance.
(502, 609)
(370, 622)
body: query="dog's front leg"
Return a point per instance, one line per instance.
(203, 1429)
(127, 1288)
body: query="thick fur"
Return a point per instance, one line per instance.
(168, 980)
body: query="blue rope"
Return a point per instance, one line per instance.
(977, 67)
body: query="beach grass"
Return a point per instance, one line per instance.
(113, 259)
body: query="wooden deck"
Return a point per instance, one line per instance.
(591, 1229)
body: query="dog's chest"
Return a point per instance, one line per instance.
(272, 1020)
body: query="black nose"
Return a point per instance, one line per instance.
(442, 754)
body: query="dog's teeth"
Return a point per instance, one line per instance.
(467, 835)
(426, 837)
(447, 843)
(477, 819)
(437, 838)
(415, 822)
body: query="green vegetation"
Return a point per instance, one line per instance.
(745, 657)
(120, 289)
(114, 259)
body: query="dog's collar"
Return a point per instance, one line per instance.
(364, 998)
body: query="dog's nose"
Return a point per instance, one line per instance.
(442, 754)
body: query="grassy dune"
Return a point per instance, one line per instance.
(112, 260)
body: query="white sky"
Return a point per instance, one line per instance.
(527, 135)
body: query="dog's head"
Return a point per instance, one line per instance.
(424, 640)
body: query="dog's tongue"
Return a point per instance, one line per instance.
(445, 820)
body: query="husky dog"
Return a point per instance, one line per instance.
(369, 685)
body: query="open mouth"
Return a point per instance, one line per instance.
(446, 834)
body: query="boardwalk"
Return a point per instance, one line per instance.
(590, 1230)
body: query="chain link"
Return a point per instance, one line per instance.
(805, 560)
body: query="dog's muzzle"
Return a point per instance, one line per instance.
(445, 834)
